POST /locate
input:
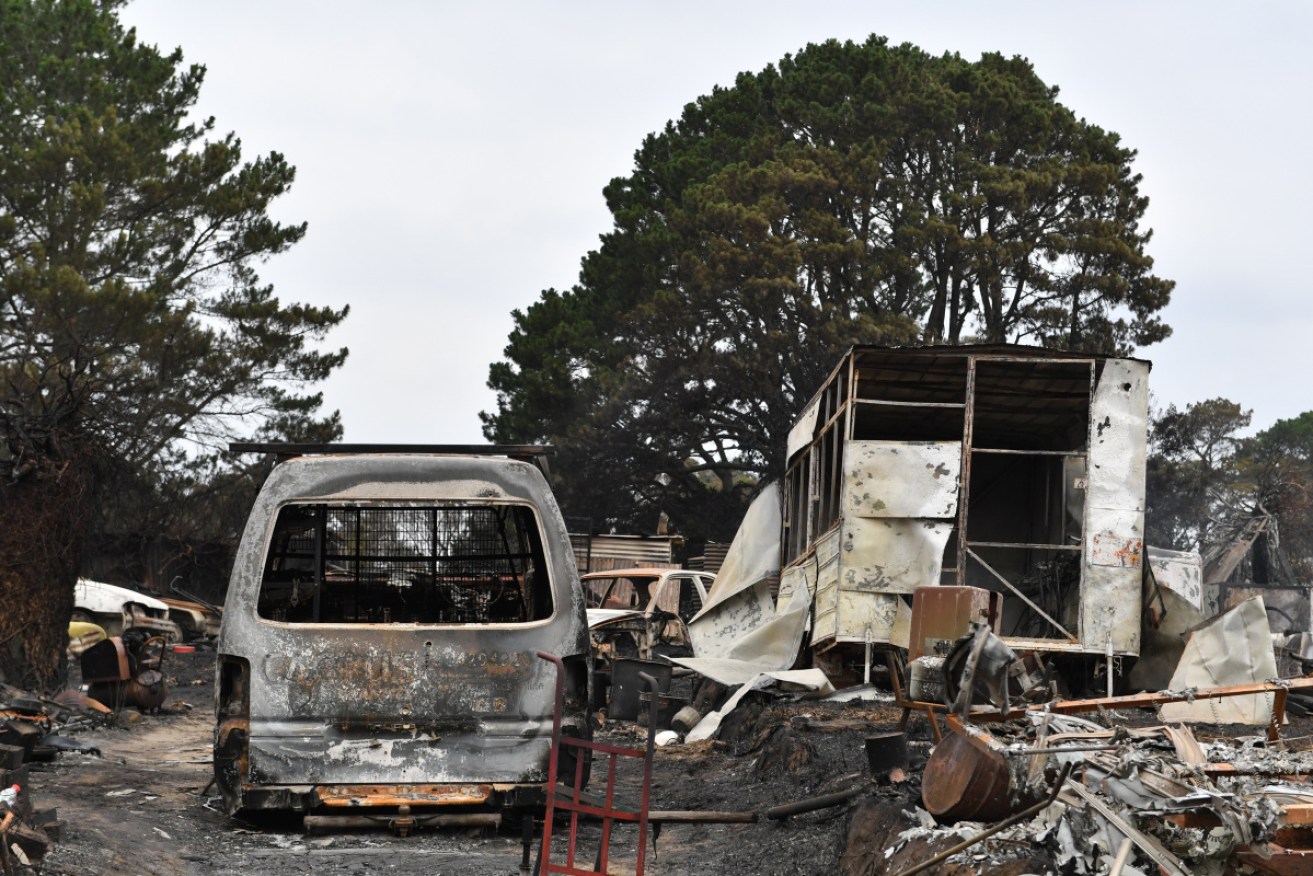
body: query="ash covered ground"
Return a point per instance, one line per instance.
(145, 808)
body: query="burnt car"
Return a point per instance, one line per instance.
(196, 620)
(379, 638)
(118, 610)
(643, 613)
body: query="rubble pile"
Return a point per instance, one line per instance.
(32, 730)
(1128, 801)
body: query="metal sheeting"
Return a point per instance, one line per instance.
(825, 565)
(1181, 572)
(804, 428)
(754, 555)
(885, 615)
(631, 550)
(1119, 421)
(891, 556)
(901, 478)
(1114, 508)
(887, 543)
(1231, 649)
(740, 599)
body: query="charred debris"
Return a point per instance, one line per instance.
(954, 565)
(961, 534)
(118, 673)
(33, 731)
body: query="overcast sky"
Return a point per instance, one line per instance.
(451, 159)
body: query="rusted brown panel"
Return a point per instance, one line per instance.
(402, 795)
(1117, 549)
(1276, 860)
(943, 614)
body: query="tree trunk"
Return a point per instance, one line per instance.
(43, 523)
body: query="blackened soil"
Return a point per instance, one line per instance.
(146, 807)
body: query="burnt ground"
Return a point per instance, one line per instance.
(144, 807)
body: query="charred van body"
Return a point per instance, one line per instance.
(379, 635)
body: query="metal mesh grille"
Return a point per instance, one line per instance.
(408, 564)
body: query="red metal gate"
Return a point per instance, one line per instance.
(572, 800)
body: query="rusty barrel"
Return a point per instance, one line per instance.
(964, 780)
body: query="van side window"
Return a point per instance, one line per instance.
(454, 563)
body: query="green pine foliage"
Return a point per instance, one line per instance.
(853, 193)
(132, 320)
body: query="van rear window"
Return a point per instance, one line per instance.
(453, 563)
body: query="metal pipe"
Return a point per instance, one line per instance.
(678, 816)
(1108, 656)
(866, 670)
(800, 806)
(1056, 750)
(1001, 826)
(329, 823)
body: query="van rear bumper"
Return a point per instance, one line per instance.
(339, 798)
(371, 756)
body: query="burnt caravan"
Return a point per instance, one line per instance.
(379, 635)
(1014, 469)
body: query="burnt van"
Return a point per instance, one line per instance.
(380, 630)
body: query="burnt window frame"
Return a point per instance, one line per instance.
(546, 602)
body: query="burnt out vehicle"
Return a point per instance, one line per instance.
(643, 612)
(379, 635)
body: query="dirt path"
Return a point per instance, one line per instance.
(139, 809)
(144, 808)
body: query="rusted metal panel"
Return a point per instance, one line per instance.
(399, 795)
(941, 615)
(621, 551)
(901, 478)
(1119, 541)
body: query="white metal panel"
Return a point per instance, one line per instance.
(885, 614)
(821, 570)
(804, 428)
(1114, 508)
(1110, 610)
(901, 478)
(1182, 572)
(1119, 427)
(891, 556)
(792, 578)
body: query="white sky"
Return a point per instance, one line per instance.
(451, 159)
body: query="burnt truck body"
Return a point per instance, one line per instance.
(379, 635)
(1014, 469)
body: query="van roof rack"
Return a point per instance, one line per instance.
(534, 453)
